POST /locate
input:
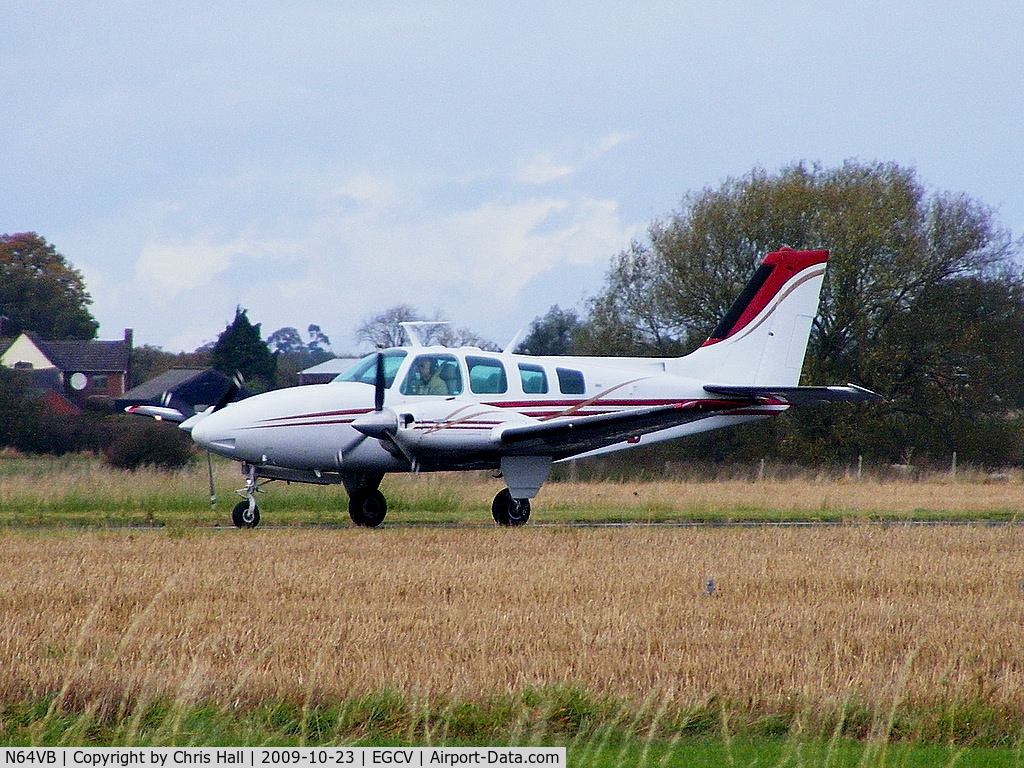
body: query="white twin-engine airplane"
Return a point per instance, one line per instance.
(427, 408)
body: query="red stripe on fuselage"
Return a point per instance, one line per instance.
(540, 409)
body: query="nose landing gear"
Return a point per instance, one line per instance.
(246, 514)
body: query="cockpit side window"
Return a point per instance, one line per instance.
(486, 375)
(365, 369)
(433, 375)
(533, 379)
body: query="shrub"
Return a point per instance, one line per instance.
(139, 442)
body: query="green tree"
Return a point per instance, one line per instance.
(286, 341)
(149, 361)
(40, 291)
(319, 345)
(294, 355)
(137, 443)
(917, 285)
(629, 317)
(240, 349)
(552, 334)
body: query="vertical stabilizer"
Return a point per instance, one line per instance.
(763, 337)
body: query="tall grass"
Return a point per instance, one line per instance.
(79, 490)
(842, 643)
(889, 633)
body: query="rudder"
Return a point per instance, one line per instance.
(763, 337)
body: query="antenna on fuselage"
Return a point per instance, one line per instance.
(512, 343)
(412, 329)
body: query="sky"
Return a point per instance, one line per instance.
(320, 162)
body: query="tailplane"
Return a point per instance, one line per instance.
(762, 339)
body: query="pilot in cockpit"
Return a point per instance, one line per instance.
(427, 380)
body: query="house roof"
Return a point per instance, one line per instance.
(97, 356)
(71, 356)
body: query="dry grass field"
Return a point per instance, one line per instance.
(926, 618)
(125, 595)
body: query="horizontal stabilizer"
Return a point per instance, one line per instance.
(851, 393)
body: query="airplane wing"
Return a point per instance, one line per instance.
(585, 433)
(563, 437)
(851, 393)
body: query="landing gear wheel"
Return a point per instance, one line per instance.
(245, 517)
(508, 511)
(367, 508)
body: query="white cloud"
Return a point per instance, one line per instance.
(543, 169)
(368, 192)
(164, 271)
(383, 241)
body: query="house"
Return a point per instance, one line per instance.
(190, 390)
(82, 373)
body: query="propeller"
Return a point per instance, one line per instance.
(234, 387)
(380, 423)
(378, 384)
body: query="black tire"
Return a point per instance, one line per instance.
(509, 512)
(367, 508)
(242, 517)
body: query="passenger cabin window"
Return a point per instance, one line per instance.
(433, 375)
(365, 370)
(533, 378)
(486, 375)
(570, 382)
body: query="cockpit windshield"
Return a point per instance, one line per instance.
(365, 370)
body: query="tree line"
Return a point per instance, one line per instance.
(923, 302)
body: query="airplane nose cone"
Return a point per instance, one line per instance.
(201, 432)
(210, 433)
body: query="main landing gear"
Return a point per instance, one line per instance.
(508, 511)
(367, 508)
(366, 505)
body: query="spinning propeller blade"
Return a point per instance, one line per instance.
(229, 394)
(378, 423)
(378, 384)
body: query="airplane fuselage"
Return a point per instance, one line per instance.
(311, 428)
